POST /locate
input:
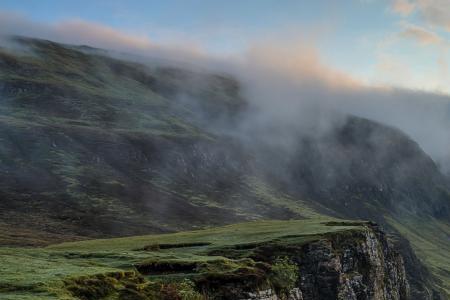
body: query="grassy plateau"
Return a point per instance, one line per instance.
(53, 272)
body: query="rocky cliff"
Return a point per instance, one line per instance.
(346, 265)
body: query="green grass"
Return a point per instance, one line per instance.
(268, 195)
(430, 241)
(244, 233)
(40, 273)
(87, 86)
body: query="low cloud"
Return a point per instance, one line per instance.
(286, 81)
(403, 7)
(80, 32)
(299, 60)
(421, 35)
(434, 12)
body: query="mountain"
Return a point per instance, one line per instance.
(94, 146)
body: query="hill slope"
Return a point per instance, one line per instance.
(93, 146)
(239, 261)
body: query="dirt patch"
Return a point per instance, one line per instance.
(166, 267)
(156, 247)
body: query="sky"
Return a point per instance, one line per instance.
(400, 43)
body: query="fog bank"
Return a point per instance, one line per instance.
(289, 88)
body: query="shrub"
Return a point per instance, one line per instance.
(187, 291)
(283, 275)
(184, 290)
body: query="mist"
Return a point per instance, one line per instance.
(290, 90)
(297, 91)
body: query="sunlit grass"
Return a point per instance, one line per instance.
(39, 273)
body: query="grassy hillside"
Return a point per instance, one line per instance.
(97, 147)
(48, 273)
(430, 241)
(94, 146)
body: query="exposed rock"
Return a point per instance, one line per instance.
(353, 265)
(361, 267)
(269, 294)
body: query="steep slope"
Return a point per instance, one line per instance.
(94, 146)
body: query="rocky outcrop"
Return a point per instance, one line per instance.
(270, 294)
(348, 265)
(363, 268)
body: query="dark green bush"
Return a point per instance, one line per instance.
(283, 275)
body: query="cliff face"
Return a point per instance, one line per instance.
(347, 269)
(369, 268)
(345, 265)
(366, 268)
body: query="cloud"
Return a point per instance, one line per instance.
(286, 79)
(289, 54)
(420, 65)
(421, 35)
(403, 7)
(295, 88)
(299, 60)
(434, 12)
(73, 31)
(82, 32)
(93, 33)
